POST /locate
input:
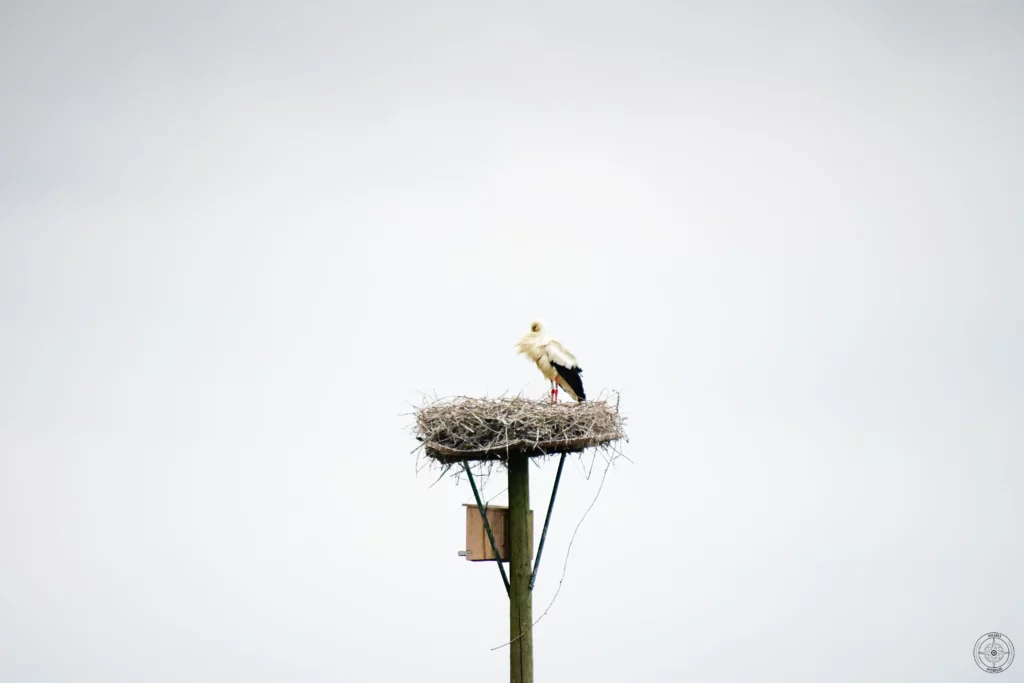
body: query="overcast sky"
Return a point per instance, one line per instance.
(239, 240)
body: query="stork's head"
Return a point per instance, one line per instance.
(531, 339)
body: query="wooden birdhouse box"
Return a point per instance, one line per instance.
(478, 546)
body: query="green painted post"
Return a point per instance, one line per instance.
(520, 596)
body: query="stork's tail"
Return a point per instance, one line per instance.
(573, 381)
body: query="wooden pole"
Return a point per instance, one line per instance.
(520, 597)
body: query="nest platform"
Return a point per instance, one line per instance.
(476, 429)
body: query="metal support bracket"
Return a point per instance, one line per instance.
(547, 520)
(487, 525)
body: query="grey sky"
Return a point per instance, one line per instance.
(236, 242)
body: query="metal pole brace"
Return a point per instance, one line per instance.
(547, 520)
(487, 525)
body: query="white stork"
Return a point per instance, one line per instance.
(554, 361)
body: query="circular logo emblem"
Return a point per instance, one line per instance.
(993, 652)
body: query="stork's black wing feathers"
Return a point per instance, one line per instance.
(572, 378)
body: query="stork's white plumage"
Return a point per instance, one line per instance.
(554, 361)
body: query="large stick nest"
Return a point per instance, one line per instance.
(467, 429)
